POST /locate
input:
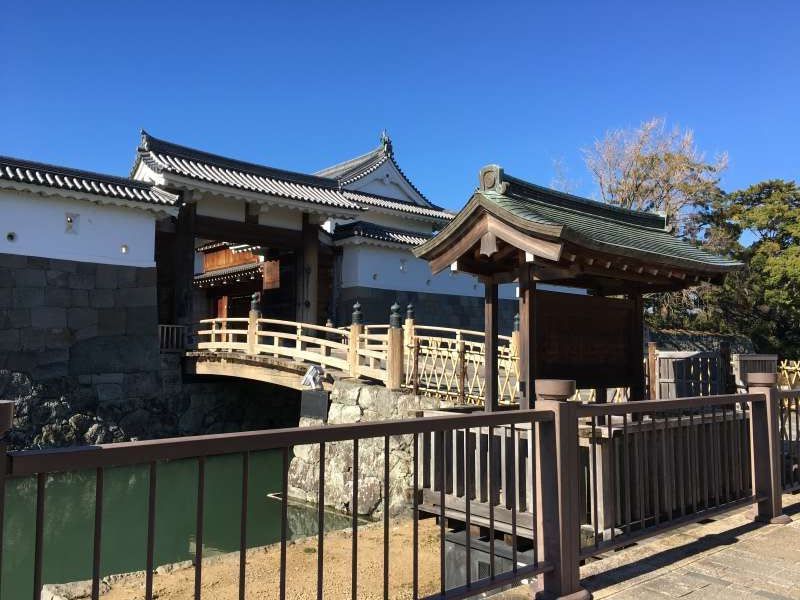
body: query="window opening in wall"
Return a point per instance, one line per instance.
(71, 222)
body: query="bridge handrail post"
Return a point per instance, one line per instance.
(461, 350)
(765, 445)
(558, 507)
(395, 378)
(408, 326)
(252, 324)
(356, 329)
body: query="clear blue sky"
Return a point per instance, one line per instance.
(457, 85)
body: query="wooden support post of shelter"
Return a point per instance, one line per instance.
(513, 230)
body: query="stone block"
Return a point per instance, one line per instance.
(56, 264)
(115, 354)
(80, 318)
(146, 277)
(13, 261)
(9, 340)
(45, 317)
(108, 393)
(7, 299)
(29, 278)
(84, 333)
(106, 277)
(32, 339)
(141, 319)
(6, 281)
(26, 297)
(102, 298)
(57, 278)
(81, 281)
(134, 296)
(111, 321)
(56, 296)
(135, 423)
(79, 298)
(86, 268)
(108, 378)
(38, 262)
(145, 385)
(23, 362)
(126, 277)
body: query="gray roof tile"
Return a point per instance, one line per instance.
(75, 180)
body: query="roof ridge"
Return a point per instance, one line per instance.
(71, 172)
(150, 143)
(348, 162)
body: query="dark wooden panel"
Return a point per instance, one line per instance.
(586, 338)
(272, 274)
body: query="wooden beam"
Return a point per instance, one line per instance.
(527, 336)
(637, 343)
(213, 228)
(490, 359)
(185, 232)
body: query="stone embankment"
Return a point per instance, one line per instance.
(353, 401)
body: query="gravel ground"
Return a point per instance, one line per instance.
(220, 579)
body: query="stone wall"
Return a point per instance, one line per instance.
(79, 355)
(444, 310)
(353, 401)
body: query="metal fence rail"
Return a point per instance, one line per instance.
(42, 464)
(657, 464)
(789, 424)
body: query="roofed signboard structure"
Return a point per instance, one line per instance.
(513, 230)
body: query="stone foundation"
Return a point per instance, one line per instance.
(79, 355)
(354, 401)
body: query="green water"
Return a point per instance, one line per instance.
(70, 508)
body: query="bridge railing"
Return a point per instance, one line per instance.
(652, 465)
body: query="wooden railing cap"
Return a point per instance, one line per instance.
(762, 379)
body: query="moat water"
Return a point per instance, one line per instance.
(70, 509)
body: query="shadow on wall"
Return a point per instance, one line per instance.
(444, 310)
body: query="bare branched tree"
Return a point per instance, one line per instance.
(654, 169)
(561, 180)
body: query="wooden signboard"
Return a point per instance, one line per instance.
(585, 338)
(271, 270)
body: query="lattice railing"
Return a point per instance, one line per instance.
(453, 367)
(789, 373)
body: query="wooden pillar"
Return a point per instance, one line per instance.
(490, 306)
(558, 506)
(652, 370)
(637, 344)
(395, 377)
(308, 275)
(184, 261)
(527, 336)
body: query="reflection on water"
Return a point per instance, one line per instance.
(69, 518)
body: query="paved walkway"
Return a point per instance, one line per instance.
(725, 558)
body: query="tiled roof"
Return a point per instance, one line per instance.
(389, 203)
(15, 170)
(354, 169)
(584, 220)
(162, 156)
(537, 210)
(379, 233)
(239, 271)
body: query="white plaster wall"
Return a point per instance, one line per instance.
(386, 181)
(373, 266)
(221, 207)
(285, 218)
(99, 231)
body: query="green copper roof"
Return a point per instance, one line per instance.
(602, 225)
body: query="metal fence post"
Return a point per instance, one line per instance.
(395, 377)
(6, 422)
(765, 444)
(356, 329)
(558, 505)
